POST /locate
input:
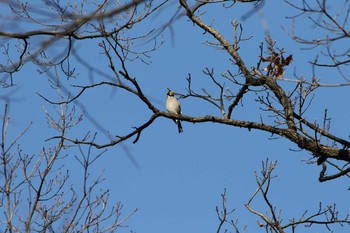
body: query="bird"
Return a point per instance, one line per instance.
(173, 106)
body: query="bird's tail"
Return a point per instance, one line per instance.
(179, 126)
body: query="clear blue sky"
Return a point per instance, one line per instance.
(180, 176)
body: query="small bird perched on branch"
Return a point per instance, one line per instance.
(173, 106)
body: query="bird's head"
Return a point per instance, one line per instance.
(170, 93)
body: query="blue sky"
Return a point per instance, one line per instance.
(180, 177)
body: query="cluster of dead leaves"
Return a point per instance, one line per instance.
(277, 63)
